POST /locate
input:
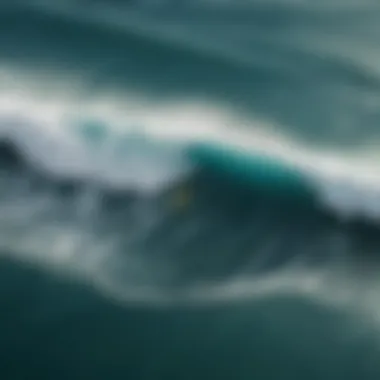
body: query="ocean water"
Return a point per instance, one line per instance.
(189, 189)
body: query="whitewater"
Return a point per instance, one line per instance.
(140, 150)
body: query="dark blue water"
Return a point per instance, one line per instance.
(58, 329)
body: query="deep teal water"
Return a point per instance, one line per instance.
(207, 278)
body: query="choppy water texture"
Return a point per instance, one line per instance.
(189, 190)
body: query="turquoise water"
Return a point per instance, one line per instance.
(254, 171)
(189, 190)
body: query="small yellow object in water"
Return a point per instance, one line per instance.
(182, 197)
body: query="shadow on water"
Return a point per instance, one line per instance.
(52, 328)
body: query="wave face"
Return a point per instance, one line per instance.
(193, 154)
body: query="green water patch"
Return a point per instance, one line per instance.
(255, 172)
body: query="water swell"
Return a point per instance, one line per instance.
(154, 191)
(188, 235)
(110, 191)
(151, 150)
(285, 72)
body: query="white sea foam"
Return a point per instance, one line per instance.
(131, 142)
(136, 144)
